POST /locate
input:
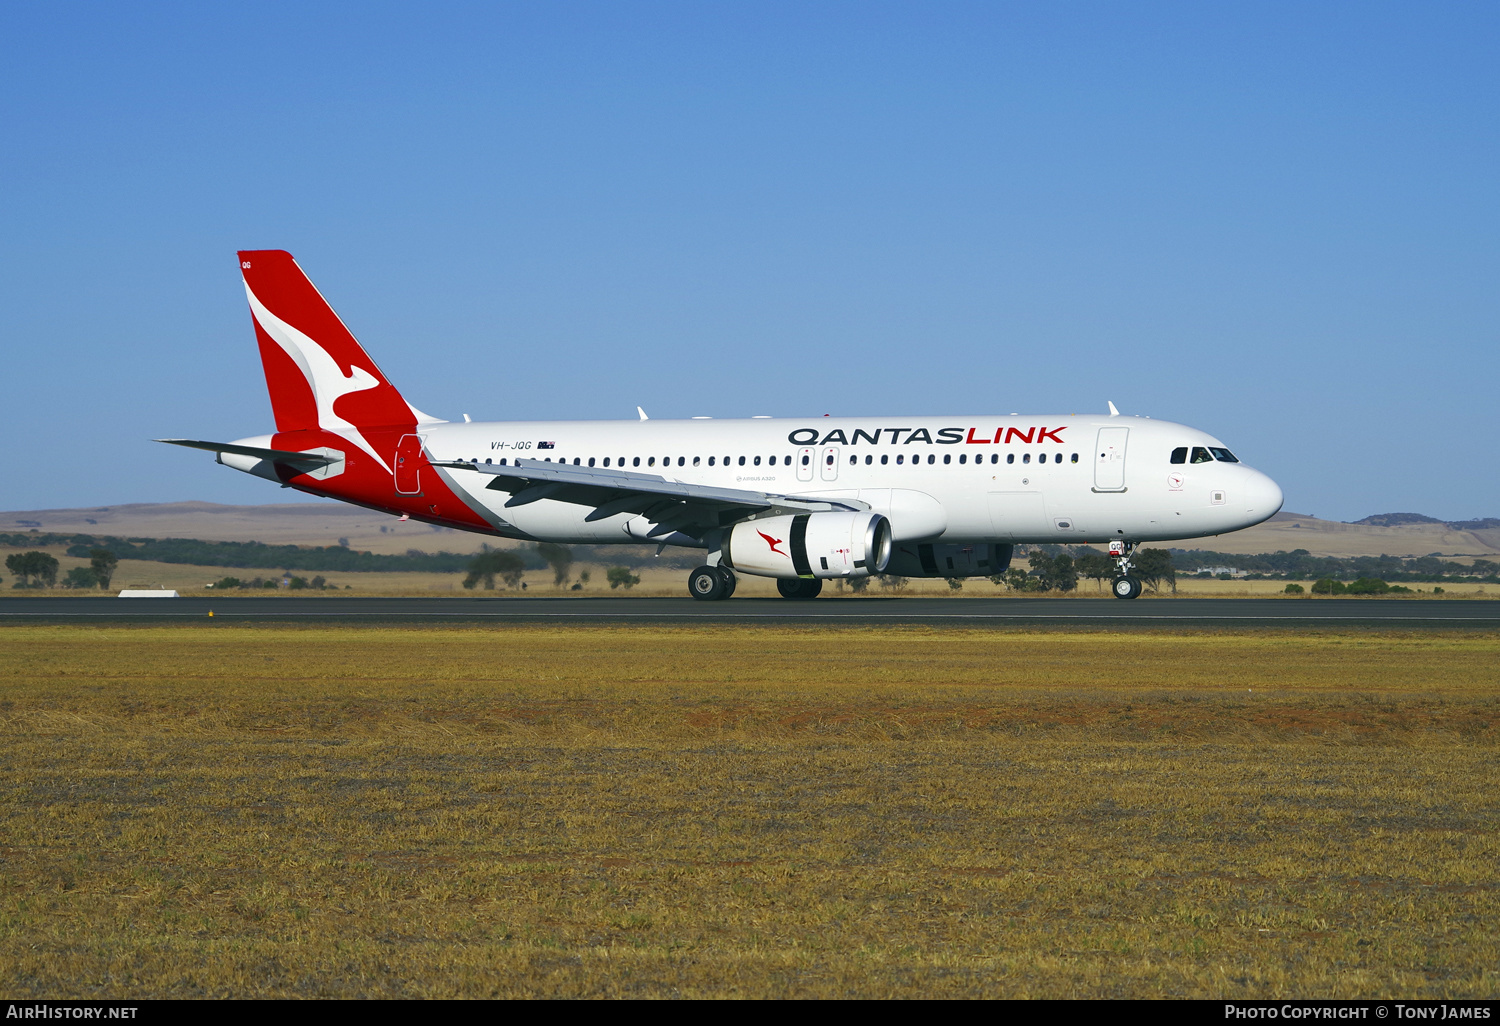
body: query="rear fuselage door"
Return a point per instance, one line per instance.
(1109, 459)
(408, 465)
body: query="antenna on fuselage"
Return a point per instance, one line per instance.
(642, 413)
(1112, 411)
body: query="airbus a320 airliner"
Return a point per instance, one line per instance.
(801, 501)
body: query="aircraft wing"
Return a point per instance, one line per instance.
(692, 509)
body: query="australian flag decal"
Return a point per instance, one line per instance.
(546, 445)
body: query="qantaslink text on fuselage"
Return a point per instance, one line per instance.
(1003, 435)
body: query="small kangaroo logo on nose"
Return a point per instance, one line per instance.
(773, 542)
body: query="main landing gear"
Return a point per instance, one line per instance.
(710, 583)
(799, 587)
(1124, 586)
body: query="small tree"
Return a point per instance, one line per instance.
(80, 577)
(1019, 580)
(1095, 567)
(621, 577)
(1155, 566)
(103, 563)
(954, 584)
(559, 558)
(858, 585)
(33, 569)
(494, 563)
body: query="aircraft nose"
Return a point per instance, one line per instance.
(1263, 497)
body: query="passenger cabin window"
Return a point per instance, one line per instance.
(1179, 454)
(1010, 457)
(1223, 455)
(710, 461)
(757, 461)
(636, 462)
(1026, 458)
(900, 458)
(742, 461)
(1075, 457)
(884, 459)
(1201, 455)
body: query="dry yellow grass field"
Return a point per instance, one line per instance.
(537, 811)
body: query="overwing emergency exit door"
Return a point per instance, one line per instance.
(805, 459)
(1109, 459)
(829, 464)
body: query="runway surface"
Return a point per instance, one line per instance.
(1390, 614)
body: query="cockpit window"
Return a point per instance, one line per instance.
(1200, 455)
(1223, 455)
(1179, 454)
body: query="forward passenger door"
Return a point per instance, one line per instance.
(1109, 459)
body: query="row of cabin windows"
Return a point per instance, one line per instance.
(1202, 454)
(828, 459)
(963, 458)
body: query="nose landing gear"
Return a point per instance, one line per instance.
(1125, 586)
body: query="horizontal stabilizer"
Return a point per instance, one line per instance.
(274, 455)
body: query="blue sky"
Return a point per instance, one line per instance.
(1275, 222)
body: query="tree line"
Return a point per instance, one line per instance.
(1301, 565)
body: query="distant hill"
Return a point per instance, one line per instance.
(1403, 519)
(1396, 520)
(1487, 524)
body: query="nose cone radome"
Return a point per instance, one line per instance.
(1263, 498)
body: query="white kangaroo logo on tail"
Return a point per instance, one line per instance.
(327, 381)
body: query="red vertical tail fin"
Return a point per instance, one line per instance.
(317, 373)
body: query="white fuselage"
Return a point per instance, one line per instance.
(1002, 479)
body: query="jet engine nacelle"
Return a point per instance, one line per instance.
(810, 545)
